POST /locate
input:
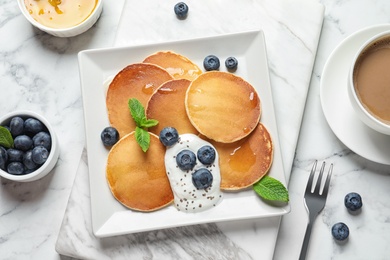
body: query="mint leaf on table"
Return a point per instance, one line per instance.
(142, 135)
(6, 139)
(143, 138)
(271, 189)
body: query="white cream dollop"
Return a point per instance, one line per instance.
(187, 197)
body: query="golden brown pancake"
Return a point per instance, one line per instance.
(137, 80)
(137, 179)
(177, 65)
(167, 106)
(246, 161)
(222, 106)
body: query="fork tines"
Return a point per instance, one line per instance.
(319, 179)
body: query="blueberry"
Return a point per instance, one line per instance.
(15, 155)
(231, 63)
(169, 136)
(3, 158)
(23, 142)
(186, 160)
(206, 154)
(340, 231)
(181, 10)
(39, 154)
(211, 62)
(202, 178)
(28, 161)
(33, 126)
(15, 168)
(42, 139)
(353, 201)
(16, 126)
(109, 136)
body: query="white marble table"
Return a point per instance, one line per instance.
(40, 72)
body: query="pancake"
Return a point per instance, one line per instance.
(167, 106)
(246, 161)
(137, 179)
(137, 80)
(222, 106)
(177, 65)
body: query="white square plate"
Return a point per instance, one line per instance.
(109, 217)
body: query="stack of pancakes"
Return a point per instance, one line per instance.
(220, 107)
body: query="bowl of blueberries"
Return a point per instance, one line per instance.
(29, 148)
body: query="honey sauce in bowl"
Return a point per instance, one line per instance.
(60, 14)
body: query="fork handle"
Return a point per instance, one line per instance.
(306, 240)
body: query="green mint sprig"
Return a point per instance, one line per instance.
(142, 135)
(271, 189)
(6, 139)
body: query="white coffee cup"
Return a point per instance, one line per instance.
(368, 95)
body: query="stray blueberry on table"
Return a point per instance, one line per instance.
(186, 160)
(353, 201)
(202, 178)
(181, 10)
(15, 168)
(340, 231)
(211, 62)
(23, 142)
(206, 154)
(231, 63)
(16, 126)
(109, 136)
(169, 136)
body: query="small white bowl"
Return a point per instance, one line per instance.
(51, 161)
(365, 116)
(66, 32)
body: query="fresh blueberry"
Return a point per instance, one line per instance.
(181, 10)
(353, 201)
(202, 178)
(169, 136)
(340, 231)
(3, 158)
(39, 154)
(206, 154)
(231, 63)
(109, 136)
(16, 126)
(186, 160)
(33, 126)
(23, 142)
(42, 139)
(15, 168)
(15, 155)
(211, 62)
(28, 161)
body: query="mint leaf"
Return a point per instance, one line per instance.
(6, 139)
(271, 189)
(148, 122)
(137, 111)
(143, 138)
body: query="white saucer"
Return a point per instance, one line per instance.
(337, 108)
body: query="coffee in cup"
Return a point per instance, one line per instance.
(369, 83)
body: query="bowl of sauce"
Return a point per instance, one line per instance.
(62, 18)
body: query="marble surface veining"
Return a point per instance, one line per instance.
(39, 72)
(370, 229)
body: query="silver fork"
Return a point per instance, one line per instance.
(314, 201)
